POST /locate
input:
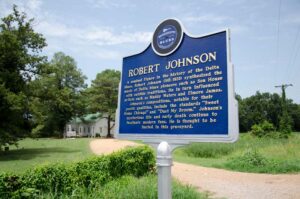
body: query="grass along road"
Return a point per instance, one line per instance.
(223, 183)
(248, 154)
(129, 187)
(33, 152)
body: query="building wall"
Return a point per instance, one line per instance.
(99, 127)
(84, 130)
(71, 130)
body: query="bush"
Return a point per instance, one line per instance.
(65, 179)
(250, 161)
(285, 126)
(250, 158)
(253, 161)
(135, 162)
(265, 129)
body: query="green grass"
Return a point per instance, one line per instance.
(129, 187)
(249, 154)
(33, 152)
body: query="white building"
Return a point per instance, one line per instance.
(90, 125)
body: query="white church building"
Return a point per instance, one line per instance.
(90, 125)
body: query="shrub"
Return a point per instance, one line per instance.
(251, 158)
(135, 162)
(65, 179)
(253, 161)
(285, 126)
(9, 184)
(264, 129)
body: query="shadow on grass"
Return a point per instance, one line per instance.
(27, 154)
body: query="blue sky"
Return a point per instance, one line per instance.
(265, 35)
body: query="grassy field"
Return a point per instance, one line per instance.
(249, 154)
(32, 152)
(128, 187)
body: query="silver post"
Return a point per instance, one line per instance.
(164, 164)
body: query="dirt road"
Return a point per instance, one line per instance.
(221, 183)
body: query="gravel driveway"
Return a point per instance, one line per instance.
(221, 183)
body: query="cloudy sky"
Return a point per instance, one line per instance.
(265, 35)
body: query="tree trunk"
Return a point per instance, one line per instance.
(108, 127)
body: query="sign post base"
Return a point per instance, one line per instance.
(164, 164)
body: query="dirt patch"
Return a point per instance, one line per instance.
(107, 146)
(238, 185)
(221, 183)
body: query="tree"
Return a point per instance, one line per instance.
(57, 95)
(19, 63)
(258, 108)
(268, 107)
(285, 126)
(103, 95)
(294, 112)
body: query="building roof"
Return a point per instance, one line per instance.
(87, 118)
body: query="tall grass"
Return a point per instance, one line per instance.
(278, 155)
(208, 150)
(128, 187)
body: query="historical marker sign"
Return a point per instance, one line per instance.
(180, 89)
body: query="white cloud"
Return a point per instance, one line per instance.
(30, 7)
(210, 18)
(111, 4)
(53, 29)
(5, 9)
(108, 54)
(34, 5)
(96, 35)
(104, 36)
(249, 67)
(237, 29)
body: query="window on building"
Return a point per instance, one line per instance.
(100, 129)
(84, 129)
(88, 129)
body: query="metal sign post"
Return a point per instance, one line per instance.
(164, 164)
(179, 90)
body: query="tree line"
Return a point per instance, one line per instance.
(268, 107)
(38, 97)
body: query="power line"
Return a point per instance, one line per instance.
(294, 59)
(293, 55)
(277, 42)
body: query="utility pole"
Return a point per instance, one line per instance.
(285, 119)
(283, 87)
